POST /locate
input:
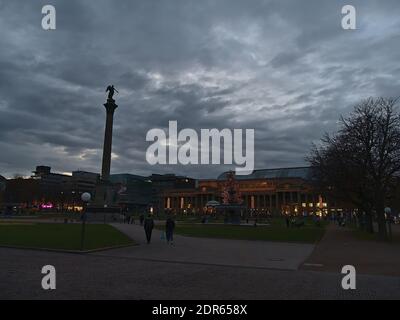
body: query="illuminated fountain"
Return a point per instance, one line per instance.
(232, 206)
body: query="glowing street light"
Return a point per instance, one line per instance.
(85, 198)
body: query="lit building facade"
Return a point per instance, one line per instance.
(49, 190)
(136, 193)
(264, 192)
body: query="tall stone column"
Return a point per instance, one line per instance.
(106, 165)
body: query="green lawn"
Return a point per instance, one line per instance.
(61, 236)
(278, 232)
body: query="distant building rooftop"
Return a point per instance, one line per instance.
(125, 177)
(280, 173)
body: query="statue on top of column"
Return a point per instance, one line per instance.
(111, 90)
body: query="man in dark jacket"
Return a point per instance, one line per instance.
(148, 227)
(169, 230)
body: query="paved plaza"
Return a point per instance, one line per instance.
(340, 247)
(106, 277)
(255, 254)
(194, 268)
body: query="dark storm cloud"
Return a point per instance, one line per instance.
(284, 68)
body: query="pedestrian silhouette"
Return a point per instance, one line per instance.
(169, 230)
(148, 227)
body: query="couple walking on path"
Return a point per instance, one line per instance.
(169, 229)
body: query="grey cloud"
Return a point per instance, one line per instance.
(284, 68)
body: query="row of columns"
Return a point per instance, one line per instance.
(251, 201)
(185, 202)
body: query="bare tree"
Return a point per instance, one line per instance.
(360, 163)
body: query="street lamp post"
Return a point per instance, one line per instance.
(62, 202)
(85, 198)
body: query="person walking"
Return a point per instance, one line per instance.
(148, 227)
(141, 218)
(169, 230)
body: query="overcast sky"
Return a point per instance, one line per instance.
(285, 68)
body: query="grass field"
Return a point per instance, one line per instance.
(60, 236)
(273, 232)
